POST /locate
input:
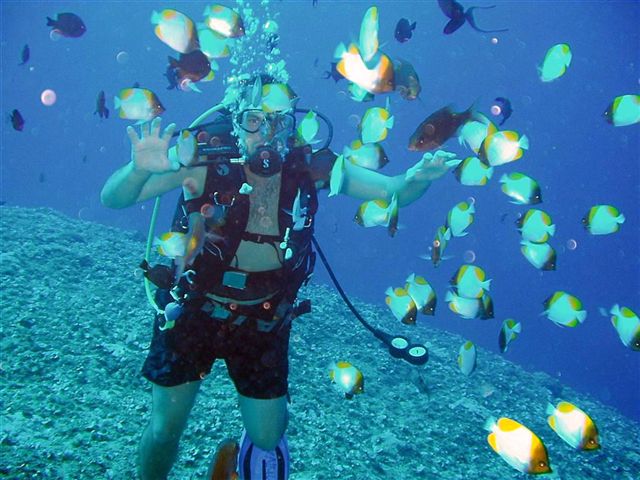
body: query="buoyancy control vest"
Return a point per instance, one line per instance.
(225, 205)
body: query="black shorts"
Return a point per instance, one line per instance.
(257, 362)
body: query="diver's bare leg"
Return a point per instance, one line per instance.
(159, 444)
(264, 420)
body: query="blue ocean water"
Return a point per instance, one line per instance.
(65, 153)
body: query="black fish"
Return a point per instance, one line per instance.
(439, 127)
(505, 108)
(67, 25)
(458, 16)
(16, 120)
(404, 30)
(334, 73)
(101, 107)
(25, 55)
(190, 68)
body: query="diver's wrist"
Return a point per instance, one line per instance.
(138, 172)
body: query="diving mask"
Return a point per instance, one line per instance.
(276, 128)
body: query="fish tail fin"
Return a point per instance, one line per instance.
(413, 25)
(50, 22)
(116, 102)
(550, 409)
(489, 424)
(552, 230)
(620, 218)
(340, 50)
(524, 142)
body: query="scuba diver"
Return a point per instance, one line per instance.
(249, 195)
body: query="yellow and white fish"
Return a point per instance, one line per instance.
(467, 358)
(308, 128)
(401, 305)
(522, 189)
(470, 281)
(517, 445)
(376, 123)
(278, 97)
(337, 176)
(187, 148)
(375, 79)
(573, 426)
(627, 324)
(213, 44)
(472, 171)
(367, 155)
(623, 111)
(503, 147)
(224, 20)
(603, 220)
(137, 104)
(508, 333)
(379, 212)
(536, 226)
(422, 293)
(473, 132)
(171, 244)
(368, 40)
(555, 63)
(460, 217)
(176, 30)
(470, 308)
(540, 255)
(564, 309)
(347, 378)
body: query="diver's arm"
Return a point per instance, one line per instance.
(365, 184)
(130, 185)
(154, 168)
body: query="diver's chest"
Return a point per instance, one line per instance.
(264, 202)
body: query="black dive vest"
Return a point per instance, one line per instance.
(229, 221)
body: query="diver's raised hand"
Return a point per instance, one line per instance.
(149, 151)
(431, 166)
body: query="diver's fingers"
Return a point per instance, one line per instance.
(133, 136)
(168, 132)
(155, 127)
(144, 130)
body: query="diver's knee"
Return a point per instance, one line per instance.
(165, 431)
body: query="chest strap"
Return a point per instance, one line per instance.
(260, 237)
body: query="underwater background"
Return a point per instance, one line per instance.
(74, 319)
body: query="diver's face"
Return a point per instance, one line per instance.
(257, 128)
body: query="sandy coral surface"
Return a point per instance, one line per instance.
(76, 326)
